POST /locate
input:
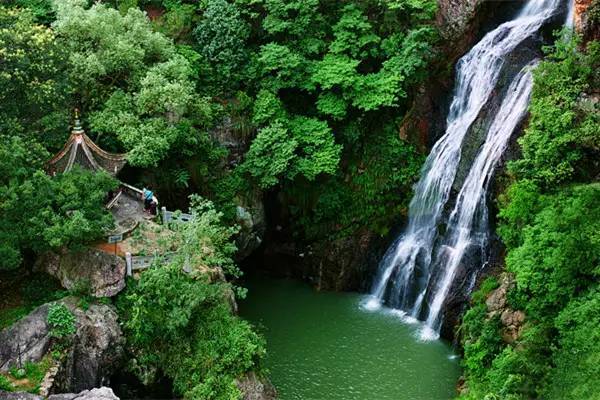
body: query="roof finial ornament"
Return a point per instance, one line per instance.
(77, 122)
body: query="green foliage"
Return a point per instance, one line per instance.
(577, 357)
(565, 133)
(270, 154)
(206, 241)
(32, 291)
(481, 340)
(549, 221)
(221, 37)
(560, 250)
(304, 147)
(26, 379)
(5, 384)
(201, 345)
(43, 213)
(38, 212)
(40, 9)
(374, 186)
(61, 321)
(33, 77)
(328, 75)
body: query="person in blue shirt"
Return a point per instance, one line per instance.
(147, 196)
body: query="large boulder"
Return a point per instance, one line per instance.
(455, 17)
(92, 353)
(103, 393)
(19, 396)
(512, 320)
(100, 272)
(27, 340)
(95, 353)
(254, 387)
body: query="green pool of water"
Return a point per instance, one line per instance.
(324, 346)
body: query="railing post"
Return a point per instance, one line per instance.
(128, 260)
(187, 267)
(164, 214)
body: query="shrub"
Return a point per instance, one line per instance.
(5, 384)
(61, 321)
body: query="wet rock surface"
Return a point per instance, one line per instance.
(250, 215)
(95, 353)
(344, 264)
(19, 396)
(254, 387)
(587, 15)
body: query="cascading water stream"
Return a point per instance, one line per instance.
(463, 230)
(410, 275)
(570, 21)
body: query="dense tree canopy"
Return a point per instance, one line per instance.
(33, 77)
(131, 80)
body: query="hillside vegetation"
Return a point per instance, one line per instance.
(550, 223)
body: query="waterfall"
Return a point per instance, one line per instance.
(570, 21)
(463, 229)
(411, 276)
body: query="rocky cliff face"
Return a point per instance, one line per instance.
(458, 22)
(587, 19)
(255, 388)
(92, 353)
(512, 320)
(350, 263)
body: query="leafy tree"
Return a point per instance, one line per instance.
(374, 187)
(38, 212)
(331, 77)
(33, 99)
(221, 37)
(40, 9)
(305, 148)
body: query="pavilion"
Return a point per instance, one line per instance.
(81, 150)
(126, 204)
